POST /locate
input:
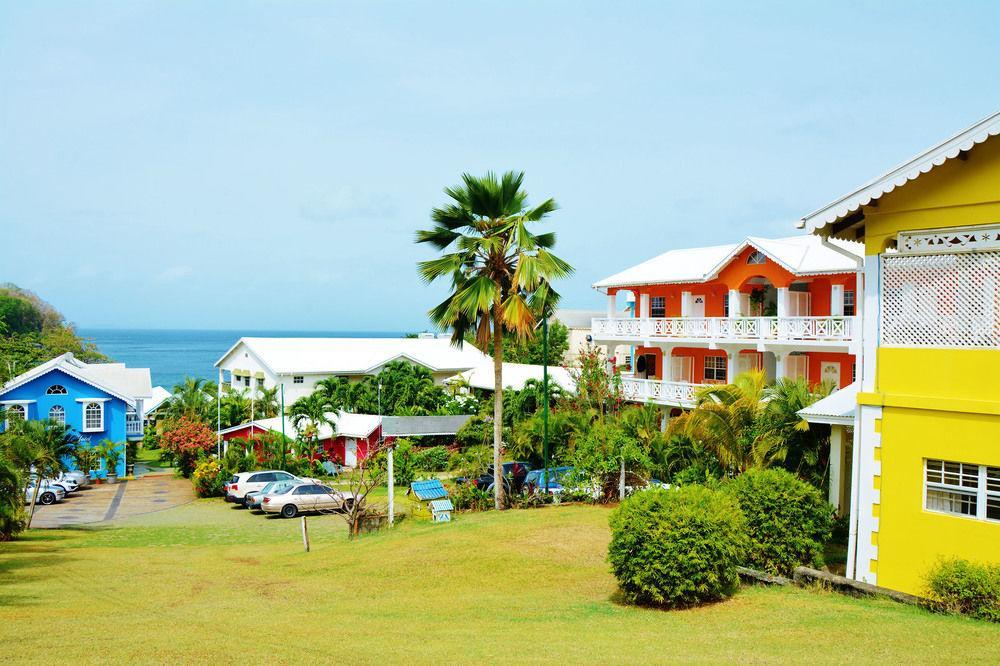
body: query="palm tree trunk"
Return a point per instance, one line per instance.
(34, 497)
(497, 408)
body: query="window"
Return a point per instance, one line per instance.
(849, 310)
(715, 369)
(725, 305)
(298, 379)
(56, 389)
(260, 382)
(681, 368)
(658, 307)
(16, 413)
(797, 366)
(961, 489)
(93, 417)
(246, 381)
(757, 257)
(282, 476)
(57, 414)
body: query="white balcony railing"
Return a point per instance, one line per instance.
(790, 329)
(133, 425)
(661, 392)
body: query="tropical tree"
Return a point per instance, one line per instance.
(39, 448)
(234, 409)
(310, 413)
(500, 272)
(12, 518)
(802, 451)
(265, 403)
(193, 399)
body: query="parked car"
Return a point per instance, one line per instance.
(306, 497)
(47, 494)
(514, 474)
(535, 480)
(249, 482)
(67, 484)
(82, 480)
(253, 499)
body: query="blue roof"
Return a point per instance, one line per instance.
(442, 505)
(428, 490)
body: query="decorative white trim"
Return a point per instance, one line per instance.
(902, 174)
(83, 408)
(93, 399)
(17, 402)
(956, 239)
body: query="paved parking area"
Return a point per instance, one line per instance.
(107, 502)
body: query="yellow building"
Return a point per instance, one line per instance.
(926, 453)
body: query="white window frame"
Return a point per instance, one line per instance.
(23, 409)
(86, 424)
(757, 258)
(982, 492)
(56, 389)
(61, 412)
(850, 303)
(718, 364)
(662, 307)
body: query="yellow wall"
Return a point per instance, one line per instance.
(937, 403)
(911, 539)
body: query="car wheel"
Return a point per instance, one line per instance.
(348, 505)
(245, 502)
(47, 498)
(289, 510)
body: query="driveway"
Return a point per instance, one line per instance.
(102, 503)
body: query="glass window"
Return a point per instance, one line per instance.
(56, 389)
(298, 379)
(16, 413)
(57, 414)
(260, 382)
(658, 307)
(849, 305)
(93, 416)
(756, 257)
(715, 368)
(962, 489)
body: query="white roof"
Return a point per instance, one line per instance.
(800, 255)
(356, 356)
(515, 376)
(348, 425)
(576, 318)
(900, 175)
(112, 378)
(160, 396)
(836, 408)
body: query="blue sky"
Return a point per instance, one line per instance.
(264, 164)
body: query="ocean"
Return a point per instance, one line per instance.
(172, 355)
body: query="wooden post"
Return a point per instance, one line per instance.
(305, 534)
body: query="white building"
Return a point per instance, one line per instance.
(515, 376)
(299, 363)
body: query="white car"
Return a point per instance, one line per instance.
(290, 501)
(80, 478)
(67, 484)
(251, 482)
(47, 494)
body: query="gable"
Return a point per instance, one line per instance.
(738, 271)
(38, 386)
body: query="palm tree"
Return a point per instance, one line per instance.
(500, 272)
(234, 409)
(266, 403)
(802, 449)
(12, 518)
(310, 413)
(39, 448)
(731, 420)
(194, 399)
(336, 391)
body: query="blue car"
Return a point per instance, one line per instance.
(535, 481)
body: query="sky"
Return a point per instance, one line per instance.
(264, 165)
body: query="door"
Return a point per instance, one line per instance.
(747, 362)
(682, 369)
(351, 452)
(698, 307)
(830, 373)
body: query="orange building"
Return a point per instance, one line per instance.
(787, 306)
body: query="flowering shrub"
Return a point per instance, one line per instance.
(208, 477)
(187, 439)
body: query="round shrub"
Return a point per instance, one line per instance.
(208, 478)
(433, 459)
(677, 547)
(966, 587)
(788, 520)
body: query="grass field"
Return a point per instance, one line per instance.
(206, 582)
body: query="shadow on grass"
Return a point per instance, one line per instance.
(30, 558)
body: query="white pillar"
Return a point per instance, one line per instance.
(836, 467)
(731, 357)
(644, 306)
(218, 414)
(612, 309)
(782, 301)
(734, 303)
(392, 483)
(779, 365)
(687, 303)
(837, 300)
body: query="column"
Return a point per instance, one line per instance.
(734, 303)
(836, 300)
(644, 306)
(612, 311)
(836, 467)
(731, 357)
(779, 365)
(782, 301)
(687, 303)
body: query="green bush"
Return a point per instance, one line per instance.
(677, 547)
(466, 497)
(966, 587)
(433, 459)
(208, 478)
(788, 520)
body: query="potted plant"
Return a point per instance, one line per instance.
(111, 454)
(87, 459)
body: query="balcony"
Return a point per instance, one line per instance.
(133, 425)
(678, 394)
(725, 329)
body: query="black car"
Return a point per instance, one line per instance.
(513, 472)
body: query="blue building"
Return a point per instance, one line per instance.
(97, 401)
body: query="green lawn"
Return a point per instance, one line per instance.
(206, 582)
(151, 459)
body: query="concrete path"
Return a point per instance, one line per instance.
(107, 502)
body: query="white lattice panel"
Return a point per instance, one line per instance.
(941, 300)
